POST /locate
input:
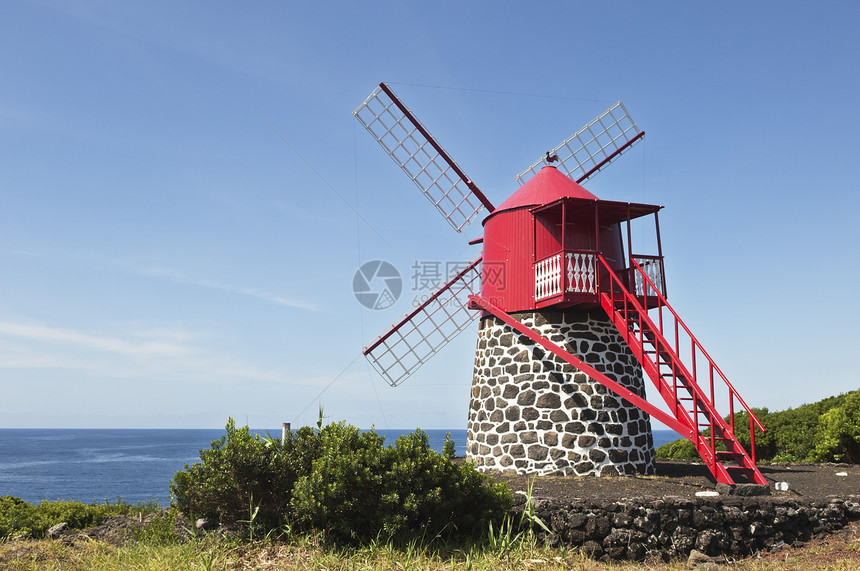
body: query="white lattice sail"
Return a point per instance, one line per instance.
(420, 156)
(400, 351)
(594, 146)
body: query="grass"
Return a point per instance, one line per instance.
(308, 552)
(222, 554)
(98, 555)
(158, 547)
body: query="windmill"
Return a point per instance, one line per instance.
(570, 317)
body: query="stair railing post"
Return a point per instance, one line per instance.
(752, 440)
(695, 411)
(713, 436)
(693, 354)
(675, 385)
(677, 343)
(711, 378)
(732, 411)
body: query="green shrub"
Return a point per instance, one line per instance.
(681, 449)
(839, 432)
(359, 490)
(339, 480)
(242, 473)
(160, 529)
(827, 430)
(18, 517)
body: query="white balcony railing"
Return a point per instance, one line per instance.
(652, 266)
(565, 272)
(548, 277)
(581, 272)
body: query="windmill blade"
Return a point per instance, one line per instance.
(421, 157)
(584, 153)
(401, 350)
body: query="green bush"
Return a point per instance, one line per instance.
(820, 431)
(681, 449)
(160, 529)
(243, 474)
(839, 432)
(359, 490)
(18, 517)
(339, 480)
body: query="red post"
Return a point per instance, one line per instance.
(732, 410)
(630, 279)
(660, 253)
(752, 440)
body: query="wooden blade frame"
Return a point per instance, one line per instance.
(584, 153)
(400, 351)
(412, 147)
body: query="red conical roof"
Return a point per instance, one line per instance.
(548, 185)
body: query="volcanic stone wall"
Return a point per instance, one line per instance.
(672, 527)
(532, 413)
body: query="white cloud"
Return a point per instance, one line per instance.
(229, 288)
(104, 344)
(163, 354)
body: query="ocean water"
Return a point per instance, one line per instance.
(94, 465)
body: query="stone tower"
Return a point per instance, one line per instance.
(532, 413)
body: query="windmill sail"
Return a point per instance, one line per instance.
(586, 152)
(401, 350)
(412, 147)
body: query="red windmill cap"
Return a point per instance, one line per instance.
(547, 186)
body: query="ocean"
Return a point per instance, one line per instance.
(136, 465)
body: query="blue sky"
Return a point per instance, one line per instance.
(179, 183)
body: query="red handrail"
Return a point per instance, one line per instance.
(622, 306)
(696, 345)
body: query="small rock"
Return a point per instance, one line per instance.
(842, 473)
(782, 486)
(697, 558)
(707, 494)
(725, 489)
(777, 547)
(752, 490)
(742, 489)
(592, 549)
(55, 531)
(204, 524)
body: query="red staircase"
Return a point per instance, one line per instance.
(690, 387)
